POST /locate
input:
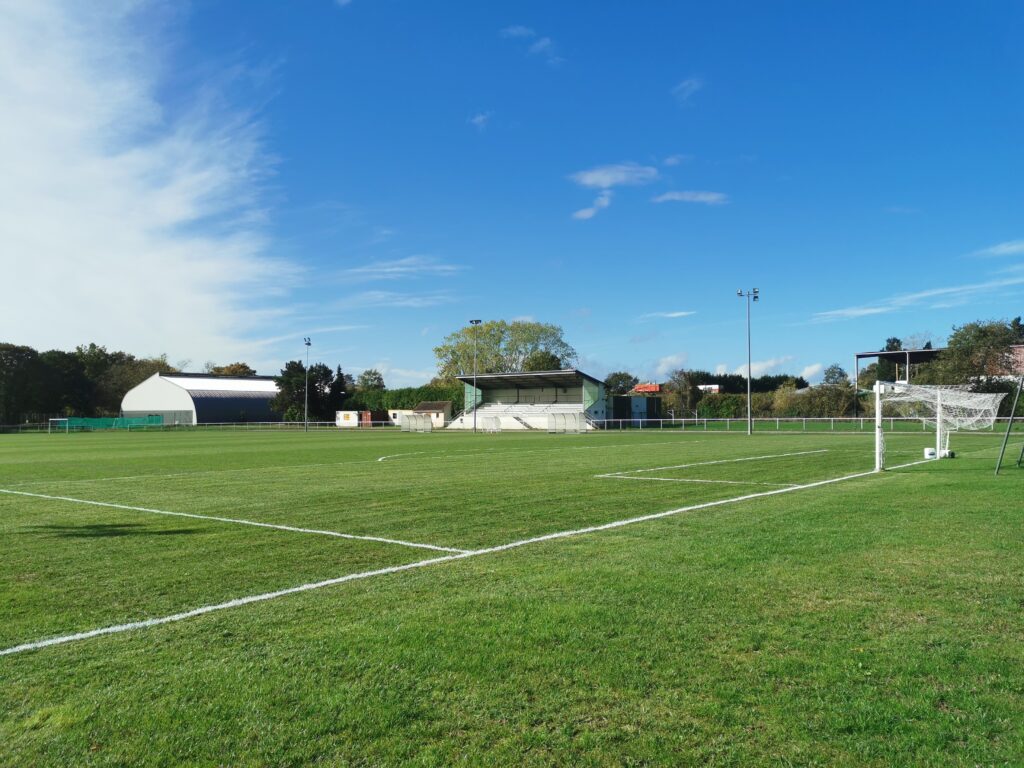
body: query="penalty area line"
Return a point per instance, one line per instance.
(462, 555)
(236, 521)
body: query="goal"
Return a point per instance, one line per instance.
(417, 422)
(566, 422)
(945, 409)
(58, 425)
(490, 424)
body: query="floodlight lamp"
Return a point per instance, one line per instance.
(755, 291)
(474, 322)
(306, 341)
(740, 293)
(756, 297)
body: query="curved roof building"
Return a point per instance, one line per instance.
(202, 398)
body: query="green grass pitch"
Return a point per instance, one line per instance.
(770, 619)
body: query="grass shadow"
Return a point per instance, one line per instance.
(107, 530)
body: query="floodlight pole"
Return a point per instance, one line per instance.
(474, 324)
(752, 294)
(305, 412)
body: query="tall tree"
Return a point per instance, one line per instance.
(886, 368)
(975, 350)
(620, 382)
(232, 369)
(371, 378)
(542, 360)
(501, 347)
(19, 379)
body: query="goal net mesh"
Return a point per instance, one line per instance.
(945, 408)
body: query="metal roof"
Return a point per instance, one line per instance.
(433, 406)
(904, 355)
(208, 383)
(528, 379)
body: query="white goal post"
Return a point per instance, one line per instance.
(491, 424)
(946, 408)
(417, 422)
(58, 425)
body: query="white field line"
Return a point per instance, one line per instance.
(693, 480)
(237, 521)
(483, 453)
(709, 463)
(396, 455)
(119, 628)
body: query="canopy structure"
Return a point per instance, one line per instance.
(902, 357)
(529, 379)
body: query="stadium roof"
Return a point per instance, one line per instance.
(527, 379)
(207, 383)
(904, 355)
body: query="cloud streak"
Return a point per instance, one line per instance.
(761, 367)
(604, 178)
(409, 268)
(151, 221)
(678, 313)
(1009, 248)
(692, 196)
(394, 299)
(935, 298)
(685, 89)
(541, 46)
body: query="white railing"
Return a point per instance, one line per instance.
(785, 424)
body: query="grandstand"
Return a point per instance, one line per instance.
(525, 400)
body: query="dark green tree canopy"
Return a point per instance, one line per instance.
(542, 360)
(620, 382)
(371, 378)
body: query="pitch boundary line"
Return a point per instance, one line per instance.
(237, 602)
(693, 480)
(237, 521)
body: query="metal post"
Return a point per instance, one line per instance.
(750, 411)
(305, 413)
(474, 324)
(1009, 426)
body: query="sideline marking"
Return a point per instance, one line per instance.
(291, 528)
(119, 628)
(709, 463)
(396, 455)
(693, 480)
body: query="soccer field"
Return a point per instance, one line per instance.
(632, 597)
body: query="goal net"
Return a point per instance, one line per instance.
(490, 424)
(417, 422)
(945, 409)
(566, 422)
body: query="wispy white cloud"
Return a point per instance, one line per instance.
(935, 298)
(480, 120)
(524, 319)
(299, 334)
(401, 269)
(605, 177)
(761, 367)
(518, 30)
(721, 369)
(542, 47)
(1009, 248)
(812, 371)
(692, 196)
(615, 175)
(685, 89)
(673, 160)
(103, 185)
(394, 299)
(603, 200)
(678, 313)
(669, 363)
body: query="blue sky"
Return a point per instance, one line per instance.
(217, 181)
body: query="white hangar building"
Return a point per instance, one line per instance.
(202, 398)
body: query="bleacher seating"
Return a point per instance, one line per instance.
(515, 416)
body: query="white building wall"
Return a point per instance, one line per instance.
(158, 395)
